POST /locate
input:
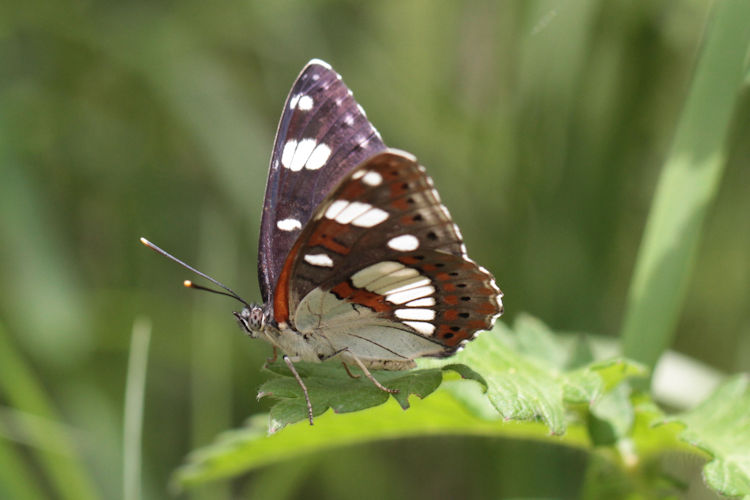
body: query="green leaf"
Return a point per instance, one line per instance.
(523, 383)
(240, 450)
(329, 386)
(526, 373)
(721, 426)
(523, 373)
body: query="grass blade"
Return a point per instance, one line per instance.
(16, 480)
(135, 388)
(687, 187)
(24, 392)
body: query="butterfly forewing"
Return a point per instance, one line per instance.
(382, 266)
(323, 134)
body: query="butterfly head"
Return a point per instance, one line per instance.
(251, 319)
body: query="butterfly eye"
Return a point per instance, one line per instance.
(251, 319)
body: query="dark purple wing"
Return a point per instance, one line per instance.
(382, 246)
(323, 134)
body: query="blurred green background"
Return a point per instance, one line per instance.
(543, 123)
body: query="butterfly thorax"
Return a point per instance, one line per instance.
(306, 346)
(310, 344)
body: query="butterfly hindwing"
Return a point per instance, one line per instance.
(382, 265)
(323, 134)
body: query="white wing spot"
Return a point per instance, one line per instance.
(293, 101)
(416, 314)
(371, 218)
(425, 302)
(336, 207)
(305, 103)
(371, 273)
(372, 178)
(289, 224)
(288, 153)
(319, 259)
(319, 156)
(411, 295)
(422, 327)
(390, 289)
(404, 243)
(361, 110)
(353, 210)
(349, 120)
(359, 173)
(301, 154)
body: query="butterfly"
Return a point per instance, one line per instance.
(358, 258)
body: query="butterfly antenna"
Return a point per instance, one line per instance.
(189, 284)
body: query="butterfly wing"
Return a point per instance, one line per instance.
(323, 134)
(381, 270)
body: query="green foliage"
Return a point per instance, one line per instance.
(687, 187)
(241, 450)
(587, 405)
(528, 375)
(721, 427)
(329, 387)
(52, 446)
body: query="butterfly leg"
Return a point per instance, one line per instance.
(273, 358)
(370, 377)
(348, 372)
(301, 384)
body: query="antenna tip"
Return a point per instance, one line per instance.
(187, 284)
(145, 241)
